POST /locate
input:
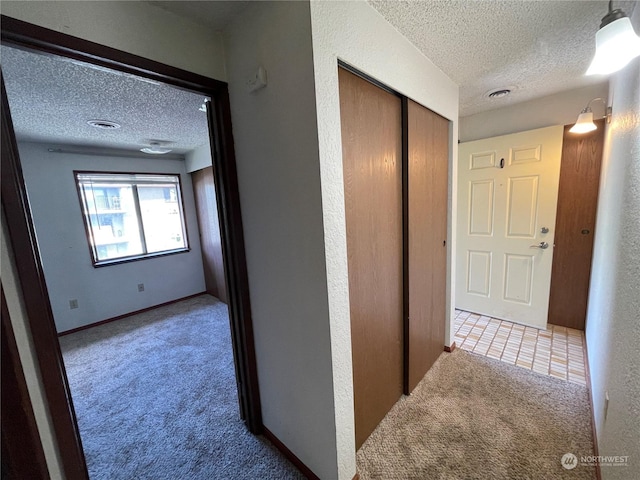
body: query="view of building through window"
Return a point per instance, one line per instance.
(131, 215)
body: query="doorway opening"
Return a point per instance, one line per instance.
(28, 254)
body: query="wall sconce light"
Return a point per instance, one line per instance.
(616, 43)
(585, 123)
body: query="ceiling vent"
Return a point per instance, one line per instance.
(502, 92)
(104, 124)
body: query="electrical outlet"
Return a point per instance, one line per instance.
(141, 287)
(73, 304)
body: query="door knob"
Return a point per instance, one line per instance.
(542, 245)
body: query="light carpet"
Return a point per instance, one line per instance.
(473, 417)
(155, 398)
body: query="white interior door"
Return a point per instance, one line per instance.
(507, 196)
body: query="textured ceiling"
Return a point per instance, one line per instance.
(52, 98)
(536, 48)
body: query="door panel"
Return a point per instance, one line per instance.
(210, 242)
(575, 224)
(522, 207)
(479, 272)
(428, 142)
(481, 207)
(507, 192)
(518, 278)
(372, 154)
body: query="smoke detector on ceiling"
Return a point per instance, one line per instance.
(104, 124)
(499, 93)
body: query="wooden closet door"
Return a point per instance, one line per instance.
(372, 159)
(210, 242)
(428, 180)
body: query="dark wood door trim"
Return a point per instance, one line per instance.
(406, 345)
(22, 453)
(23, 240)
(38, 308)
(230, 219)
(34, 37)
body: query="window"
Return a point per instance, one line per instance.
(131, 216)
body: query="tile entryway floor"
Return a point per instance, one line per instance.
(557, 351)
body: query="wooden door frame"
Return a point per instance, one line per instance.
(22, 452)
(22, 236)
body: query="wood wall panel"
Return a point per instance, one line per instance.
(575, 224)
(428, 149)
(372, 156)
(210, 241)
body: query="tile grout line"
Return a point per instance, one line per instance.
(520, 348)
(481, 333)
(535, 349)
(494, 337)
(466, 337)
(506, 342)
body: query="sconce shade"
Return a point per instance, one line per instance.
(616, 45)
(584, 123)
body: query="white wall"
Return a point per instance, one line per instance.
(613, 316)
(132, 26)
(357, 34)
(65, 252)
(557, 109)
(198, 158)
(276, 146)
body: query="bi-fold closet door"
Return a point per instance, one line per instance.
(395, 160)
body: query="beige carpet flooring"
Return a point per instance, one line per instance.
(473, 417)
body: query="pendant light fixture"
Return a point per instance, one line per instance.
(585, 123)
(616, 43)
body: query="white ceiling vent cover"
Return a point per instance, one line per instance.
(104, 124)
(502, 92)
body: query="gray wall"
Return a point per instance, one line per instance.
(109, 291)
(279, 179)
(613, 317)
(132, 26)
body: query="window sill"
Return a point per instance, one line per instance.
(118, 261)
